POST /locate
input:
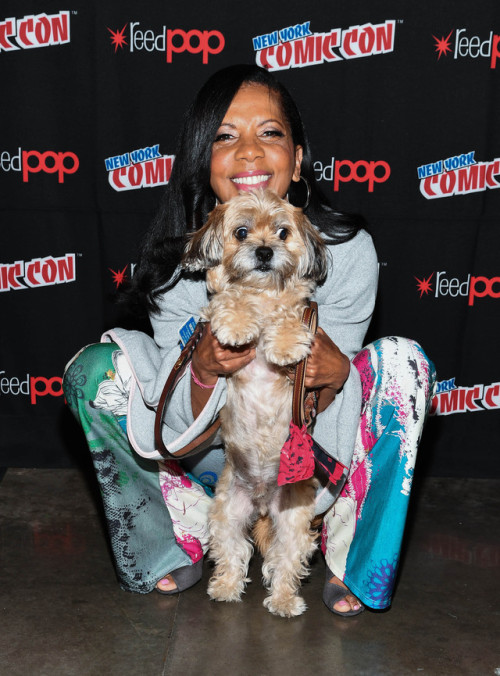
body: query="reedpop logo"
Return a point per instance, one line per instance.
(120, 276)
(344, 171)
(33, 162)
(472, 47)
(295, 46)
(472, 287)
(32, 387)
(169, 41)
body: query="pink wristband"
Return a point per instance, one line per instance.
(198, 382)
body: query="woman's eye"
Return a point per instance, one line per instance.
(241, 234)
(283, 233)
(222, 137)
(274, 132)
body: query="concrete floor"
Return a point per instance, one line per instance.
(62, 612)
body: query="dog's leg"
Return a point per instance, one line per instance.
(286, 561)
(286, 341)
(229, 522)
(234, 318)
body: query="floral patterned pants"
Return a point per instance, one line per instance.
(157, 512)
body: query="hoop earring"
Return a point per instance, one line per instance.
(308, 188)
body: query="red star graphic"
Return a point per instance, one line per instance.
(118, 39)
(424, 285)
(443, 45)
(120, 276)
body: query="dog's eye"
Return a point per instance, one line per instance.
(283, 233)
(241, 233)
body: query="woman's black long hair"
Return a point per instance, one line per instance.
(188, 198)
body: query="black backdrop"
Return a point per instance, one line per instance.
(401, 103)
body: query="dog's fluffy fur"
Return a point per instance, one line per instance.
(263, 260)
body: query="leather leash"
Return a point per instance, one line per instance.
(303, 407)
(168, 388)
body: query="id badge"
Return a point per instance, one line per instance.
(186, 331)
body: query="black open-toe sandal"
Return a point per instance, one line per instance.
(184, 577)
(334, 592)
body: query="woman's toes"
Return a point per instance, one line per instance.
(347, 604)
(167, 584)
(342, 606)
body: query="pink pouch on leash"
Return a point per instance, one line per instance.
(302, 457)
(297, 457)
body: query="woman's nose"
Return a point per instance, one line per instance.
(249, 149)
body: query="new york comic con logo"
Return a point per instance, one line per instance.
(458, 175)
(450, 398)
(37, 272)
(296, 46)
(142, 168)
(34, 30)
(462, 45)
(167, 40)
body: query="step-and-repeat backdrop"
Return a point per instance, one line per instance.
(400, 101)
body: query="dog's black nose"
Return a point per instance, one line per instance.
(264, 253)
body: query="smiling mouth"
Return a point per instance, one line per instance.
(251, 180)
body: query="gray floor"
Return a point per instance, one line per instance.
(62, 612)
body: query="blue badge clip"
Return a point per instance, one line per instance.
(186, 331)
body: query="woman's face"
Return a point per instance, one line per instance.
(253, 147)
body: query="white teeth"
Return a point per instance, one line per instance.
(251, 180)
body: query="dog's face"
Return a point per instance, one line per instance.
(259, 240)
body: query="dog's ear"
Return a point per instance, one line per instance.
(314, 264)
(204, 249)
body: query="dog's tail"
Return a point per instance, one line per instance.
(262, 533)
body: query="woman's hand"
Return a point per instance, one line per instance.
(211, 360)
(327, 369)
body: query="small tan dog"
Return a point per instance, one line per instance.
(263, 260)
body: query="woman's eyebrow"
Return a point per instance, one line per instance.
(271, 119)
(260, 124)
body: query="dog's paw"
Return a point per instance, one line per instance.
(235, 334)
(234, 319)
(221, 588)
(283, 353)
(284, 345)
(285, 606)
(286, 357)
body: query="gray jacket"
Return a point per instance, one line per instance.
(345, 301)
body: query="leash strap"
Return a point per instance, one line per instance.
(303, 406)
(328, 470)
(172, 380)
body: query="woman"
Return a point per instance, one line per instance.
(243, 132)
